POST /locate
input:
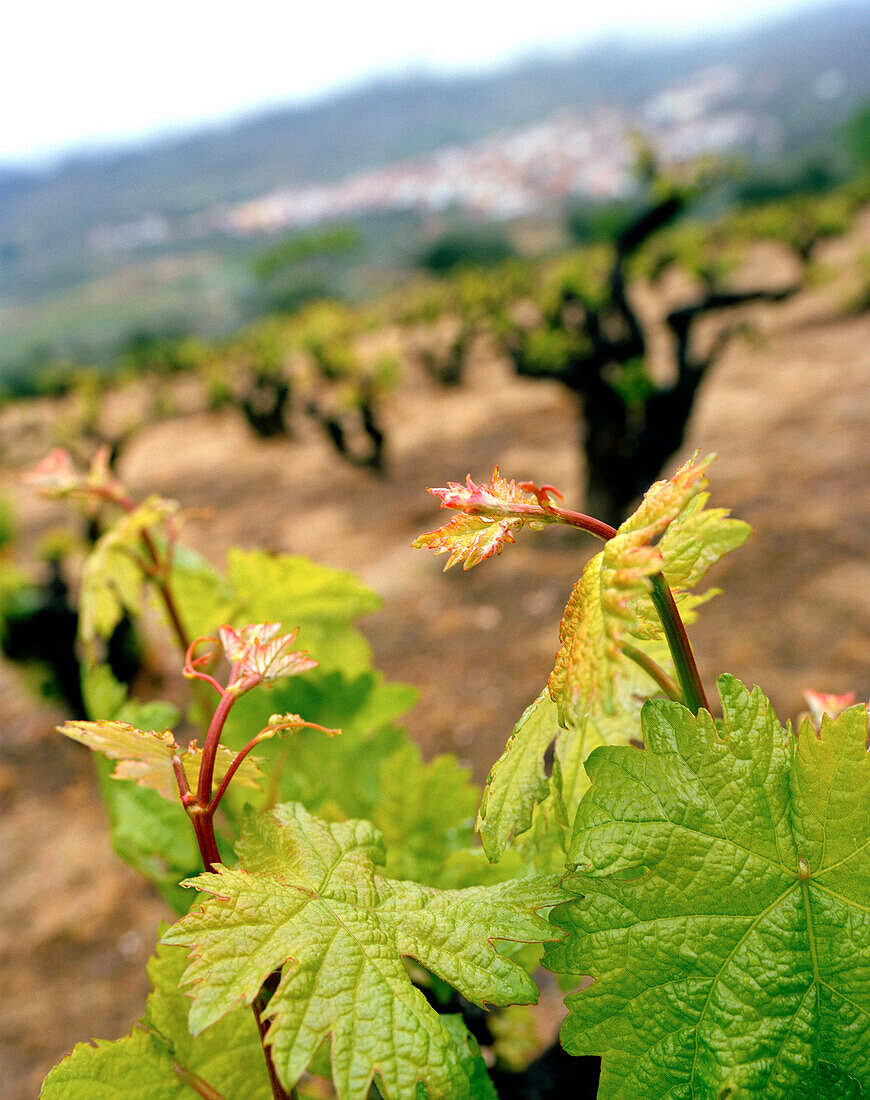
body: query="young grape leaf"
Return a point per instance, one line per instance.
(158, 1058)
(595, 689)
(470, 539)
(322, 602)
(112, 578)
(722, 907)
(610, 604)
(310, 900)
(146, 756)
(148, 832)
(485, 528)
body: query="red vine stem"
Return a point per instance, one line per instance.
(552, 514)
(201, 807)
(231, 771)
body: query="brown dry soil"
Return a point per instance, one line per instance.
(789, 416)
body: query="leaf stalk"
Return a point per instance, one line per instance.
(694, 695)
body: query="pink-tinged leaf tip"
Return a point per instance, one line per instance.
(262, 653)
(491, 513)
(821, 703)
(494, 498)
(55, 475)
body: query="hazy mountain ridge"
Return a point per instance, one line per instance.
(390, 121)
(55, 281)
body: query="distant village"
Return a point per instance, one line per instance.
(569, 155)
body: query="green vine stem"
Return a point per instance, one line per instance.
(694, 695)
(654, 671)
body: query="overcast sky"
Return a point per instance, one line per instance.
(98, 72)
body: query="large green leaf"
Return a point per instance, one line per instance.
(322, 602)
(335, 777)
(425, 813)
(424, 810)
(294, 591)
(310, 900)
(723, 907)
(157, 1058)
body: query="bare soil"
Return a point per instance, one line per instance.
(788, 415)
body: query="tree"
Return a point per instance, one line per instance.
(591, 338)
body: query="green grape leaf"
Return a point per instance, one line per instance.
(261, 587)
(159, 1058)
(146, 757)
(151, 834)
(722, 907)
(310, 900)
(112, 578)
(424, 812)
(517, 781)
(138, 1067)
(203, 598)
(322, 602)
(103, 695)
(335, 777)
(480, 1086)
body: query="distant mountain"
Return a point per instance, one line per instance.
(389, 121)
(807, 71)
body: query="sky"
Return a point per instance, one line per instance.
(96, 73)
